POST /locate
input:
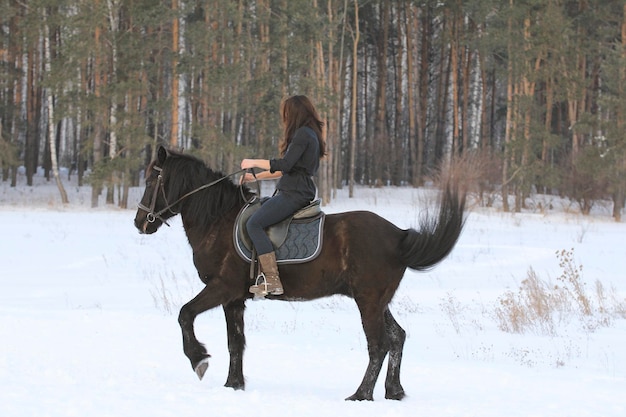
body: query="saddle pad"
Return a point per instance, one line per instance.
(302, 244)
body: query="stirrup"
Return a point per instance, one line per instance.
(260, 281)
(259, 289)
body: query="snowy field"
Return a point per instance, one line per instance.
(88, 320)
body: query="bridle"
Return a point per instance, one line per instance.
(152, 215)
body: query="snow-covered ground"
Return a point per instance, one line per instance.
(88, 320)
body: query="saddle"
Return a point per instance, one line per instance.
(296, 239)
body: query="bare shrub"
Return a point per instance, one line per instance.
(162, 296)
(170, 290)
(480, 172)
(609, 302)
(540, 306)
(454, 310)
(571, 278)
(464, 171)
(531, 307)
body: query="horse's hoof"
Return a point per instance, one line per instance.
(237, 386)
(358, 397)
(396, 395)
(201, 368)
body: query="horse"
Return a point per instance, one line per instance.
(364, 257)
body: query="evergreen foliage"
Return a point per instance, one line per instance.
(535, 88)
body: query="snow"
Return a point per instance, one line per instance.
(88, 321)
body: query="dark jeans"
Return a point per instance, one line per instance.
(272, 211)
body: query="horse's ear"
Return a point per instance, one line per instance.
(162, 154)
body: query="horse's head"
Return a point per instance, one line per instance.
(154, 208)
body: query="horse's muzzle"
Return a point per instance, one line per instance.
(143, 224)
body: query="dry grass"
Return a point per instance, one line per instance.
(171, 290)
(541, 307)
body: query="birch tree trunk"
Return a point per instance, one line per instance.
(174, 105)
(422, 91)
(326, 177)
(414, 162)
(113, 9)
(339, 90)
(50, 100)
(325, 77)
(452, 20)
(468, 57)
(380, 154)
(355, 73)
(398, 167)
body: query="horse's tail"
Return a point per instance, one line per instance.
(423, 249)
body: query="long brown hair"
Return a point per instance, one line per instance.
(296, 112)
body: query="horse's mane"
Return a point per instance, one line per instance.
(186, 173)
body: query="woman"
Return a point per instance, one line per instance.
(301, 149)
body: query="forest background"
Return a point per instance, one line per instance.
(534, 91)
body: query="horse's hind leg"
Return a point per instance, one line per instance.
(377, 347)
(396, 336)
(236, 343)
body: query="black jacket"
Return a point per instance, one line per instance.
(300, 162)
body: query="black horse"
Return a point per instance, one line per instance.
(364, 257)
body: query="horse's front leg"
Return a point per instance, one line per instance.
(236, 343)
(208, 298)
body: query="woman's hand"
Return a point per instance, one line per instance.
(263, 164)
(247, 177)
(247, 164)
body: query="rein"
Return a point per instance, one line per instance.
(152, 216)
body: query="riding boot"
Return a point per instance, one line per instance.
(268, 281)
